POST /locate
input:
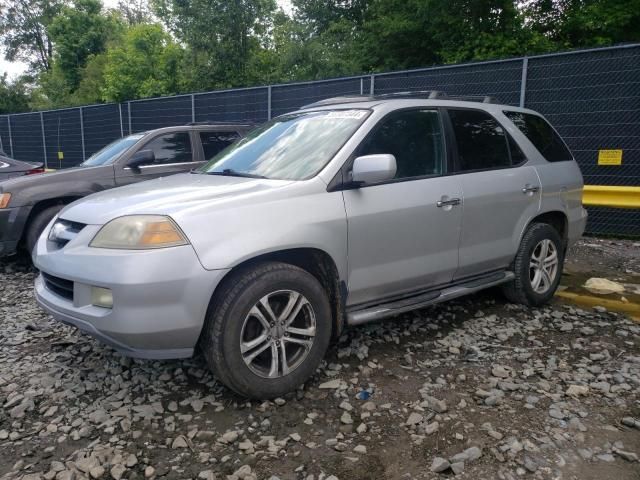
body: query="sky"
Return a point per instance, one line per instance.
(14, 69)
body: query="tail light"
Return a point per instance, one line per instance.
(33, 171)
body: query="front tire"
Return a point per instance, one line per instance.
(38, 224)
(267, 330)
(537, 266)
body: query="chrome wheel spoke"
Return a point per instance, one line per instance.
(304, 332)
(543, 265)
(277, 333)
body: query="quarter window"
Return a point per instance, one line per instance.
(481, 141)
(414, 138)
(214, 142)
(171, 148)
(542, 135)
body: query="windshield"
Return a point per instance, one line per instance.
(290, 147)
(112, 151)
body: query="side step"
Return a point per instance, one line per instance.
(385, 310)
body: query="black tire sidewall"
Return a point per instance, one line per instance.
(37, 226)
(540, 232)
(242, 378)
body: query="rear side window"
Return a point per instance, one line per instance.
(215, 142)
(542, 135)
(481, 141)
(414, 137)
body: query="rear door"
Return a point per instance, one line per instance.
(501, 192)
(174, 153)
(403, 233)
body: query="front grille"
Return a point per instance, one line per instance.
(63, 231)
(59, 286)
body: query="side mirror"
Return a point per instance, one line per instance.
(143, 157)
(374, 168)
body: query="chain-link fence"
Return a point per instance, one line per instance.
(591, 96)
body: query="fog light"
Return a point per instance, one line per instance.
(101, 297)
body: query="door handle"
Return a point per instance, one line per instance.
(530, 189)
(444, 203)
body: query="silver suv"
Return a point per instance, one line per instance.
(347, 211)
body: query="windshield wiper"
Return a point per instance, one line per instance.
(228, 172)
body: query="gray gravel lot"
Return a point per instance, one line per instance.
(476, 388)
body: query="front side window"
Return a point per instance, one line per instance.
(214, 142)
(111, 152)
(414, 138)
(542, 135)
(481, 141)
(290, 147)
(170, 148)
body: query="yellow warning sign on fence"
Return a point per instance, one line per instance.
(609, 157)
(60, 155)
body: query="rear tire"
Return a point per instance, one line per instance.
(260, 316)
(537, 266)
(38, 224)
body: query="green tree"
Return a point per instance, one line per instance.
(79, 31)
(14, 96)
(221, 37)
(24, 31)
(146, 64)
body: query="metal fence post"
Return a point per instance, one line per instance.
(44, 141)
(84, 156)
(523, 80)
(129, 114)
(361, 86)
(193, 108)
(10, 135)
(120, 114)
(269, 102)
(373, 84)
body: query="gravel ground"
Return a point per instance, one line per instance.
(477, 388)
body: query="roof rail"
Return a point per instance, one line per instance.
(424, 94)
(211, 122)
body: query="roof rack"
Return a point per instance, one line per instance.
(424, 94)
(211, 122)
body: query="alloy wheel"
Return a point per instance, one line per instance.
(543, 266)
(278, 333)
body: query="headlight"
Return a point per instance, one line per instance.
(139, 232)
(4, 199)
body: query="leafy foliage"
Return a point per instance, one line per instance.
(79, 53)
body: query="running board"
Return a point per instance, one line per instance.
(385, 310)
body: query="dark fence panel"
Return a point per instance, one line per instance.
(593, 99)
(286, 98)
(5, 142)
(101, 126)
(63, 137)
(241, 105)
(26, 134)
(497, 79)
(160, 112)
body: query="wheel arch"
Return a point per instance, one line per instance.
(317, 262)
(42, 205)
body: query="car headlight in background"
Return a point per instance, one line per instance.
(4, 200)
(139, 232)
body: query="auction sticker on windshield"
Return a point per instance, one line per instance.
(357, 114)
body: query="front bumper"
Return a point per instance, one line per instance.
(160, 297)
(12, 221)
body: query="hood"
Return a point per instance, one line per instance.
(15, 185)
(168, 196)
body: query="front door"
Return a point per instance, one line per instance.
(173, 154)
(403, 234)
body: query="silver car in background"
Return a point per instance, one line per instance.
(347, 211)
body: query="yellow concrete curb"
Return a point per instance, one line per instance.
(631, 309)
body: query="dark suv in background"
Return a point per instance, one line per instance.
(27, 204)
